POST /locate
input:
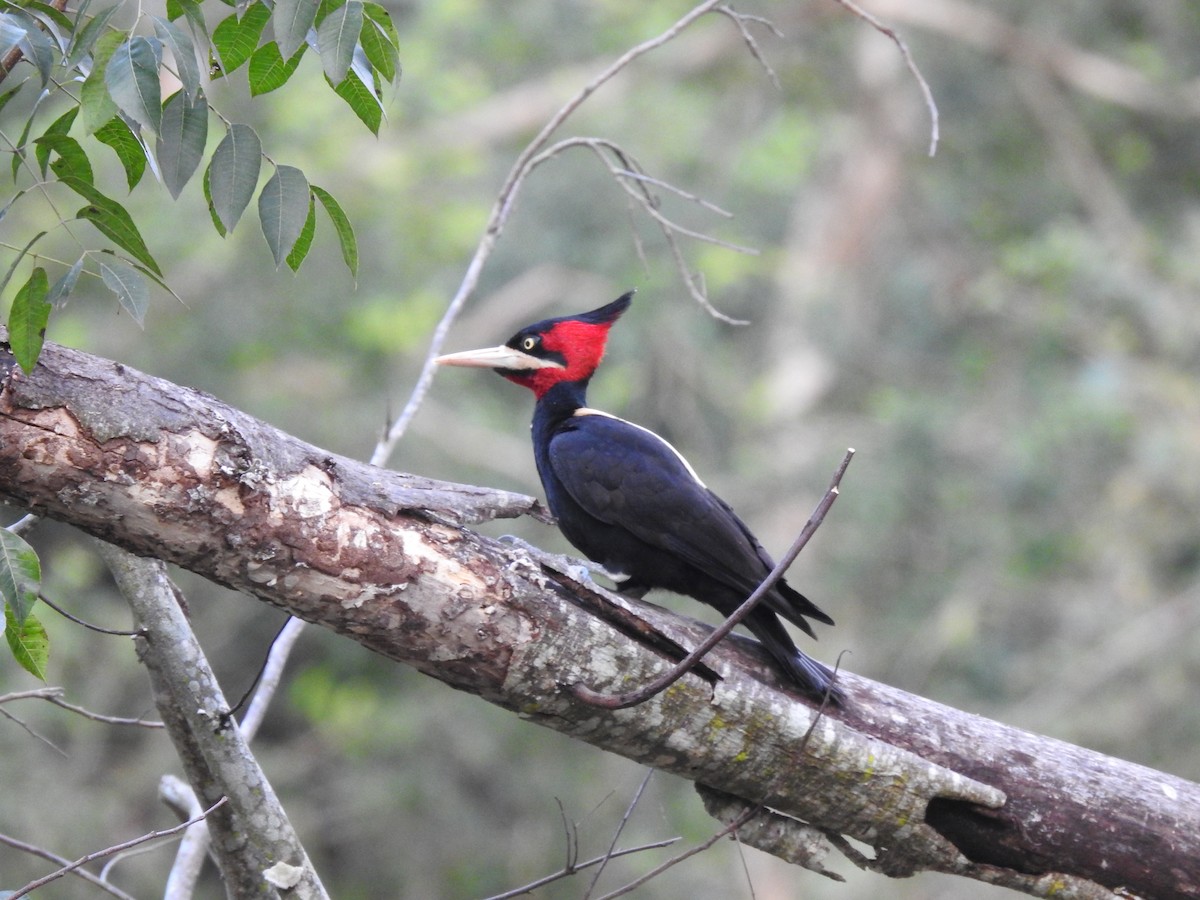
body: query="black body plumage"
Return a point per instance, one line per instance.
(629, 501)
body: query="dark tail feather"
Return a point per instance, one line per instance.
(794, 606)
(814, 678)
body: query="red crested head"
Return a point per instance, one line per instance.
(539, 356)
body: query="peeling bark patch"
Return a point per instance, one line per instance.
(307, 495)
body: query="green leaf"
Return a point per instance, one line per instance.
(150, 275)
(95, 105)
(181, 139)
(9, 94)
(20, 256)
(59, 127)
(362, 100)
(132, 79)
(195, 17)
(13, 27)
(20, 574)
(112, 220)
(4, 212)
(71, 158)
(130, 151)
(337, 37)
(192, 11)
(55, 22)
(29, 643)
(27, 320)
(38, 50)
(61, 290)
(236, 39)
(380, 42)
(49, 15)
(130, 287)
(293, 18)
(208, 199)
(184, 51)
(268, 70)
(341, 224)
(283, 209)
(181, 48)
(324, 8)
(233, 175)
(304, 241)
(87, 36)
(18, 156)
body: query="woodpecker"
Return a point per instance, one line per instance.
(629, 500)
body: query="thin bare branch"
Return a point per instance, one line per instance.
(193, 850)
(608, 854)
(567, 873)
(88, 625)
(679, 192)
(733, 826)
(272, 673)
(23, 524)
(55, 695)
(63, 861)
(101, 717)
(926, 93)
(571, 833)
(640, 197)
(743, 21)
(109, 851)
(660, 684)
(33, 733)
(1111, 80)
(45, 693)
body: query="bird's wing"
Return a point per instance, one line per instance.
(630, 477)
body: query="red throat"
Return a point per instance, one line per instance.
(581, 345)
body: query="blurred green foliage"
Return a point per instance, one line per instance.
(1007, 333)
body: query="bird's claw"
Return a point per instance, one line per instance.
(580, 570)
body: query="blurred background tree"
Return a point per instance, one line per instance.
(1006, 332)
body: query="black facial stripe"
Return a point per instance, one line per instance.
(518, 340)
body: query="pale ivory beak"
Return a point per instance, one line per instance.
(496, 358)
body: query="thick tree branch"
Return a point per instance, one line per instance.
(382, 557)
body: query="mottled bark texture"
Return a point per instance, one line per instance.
(386, 559)
(251, 832)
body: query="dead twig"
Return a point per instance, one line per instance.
(100, 629)
(630, 177)
(926, 93)
(567, 872)
(87, 876)
(732, 827)
(743, 21)
(74, 867)
(55, 695)
(608, 854)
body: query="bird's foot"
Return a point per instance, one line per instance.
(580, 570)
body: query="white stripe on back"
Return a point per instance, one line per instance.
(588, 411)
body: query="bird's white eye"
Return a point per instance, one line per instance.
(529, 343)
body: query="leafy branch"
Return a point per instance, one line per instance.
(111, 82)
